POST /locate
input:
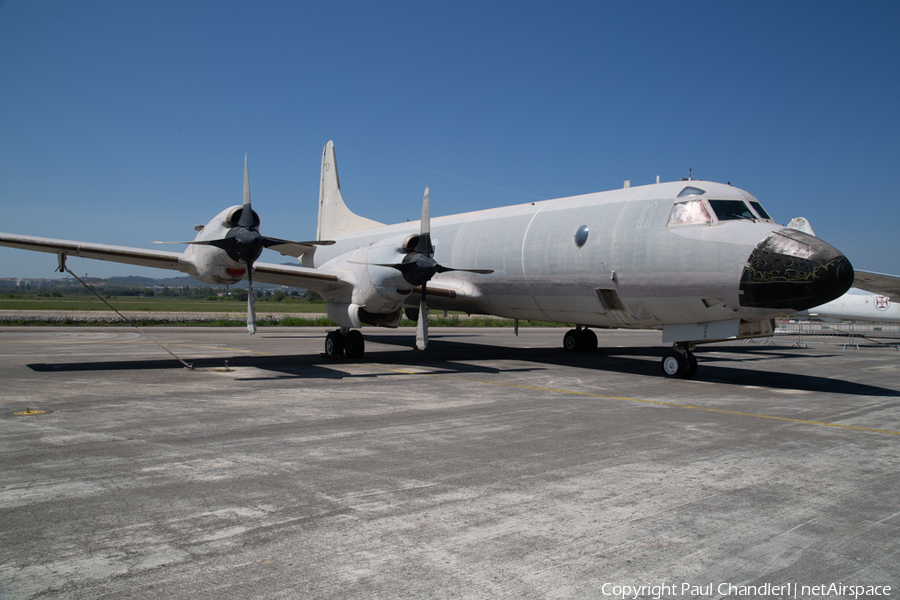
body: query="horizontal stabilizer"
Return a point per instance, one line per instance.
(295, 249)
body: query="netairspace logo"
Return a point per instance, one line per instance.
(732, 590)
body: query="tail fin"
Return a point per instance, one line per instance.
(334, 216)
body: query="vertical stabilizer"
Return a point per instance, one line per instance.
(334, 216)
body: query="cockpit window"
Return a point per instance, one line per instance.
(729, 210)
(691, 212)
(760, 211)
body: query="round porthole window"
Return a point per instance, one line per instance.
(581, 235)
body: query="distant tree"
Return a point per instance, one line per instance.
(239, 294)
(311, 296)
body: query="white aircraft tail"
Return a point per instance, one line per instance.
(334, 216)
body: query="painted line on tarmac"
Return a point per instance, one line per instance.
(134, 342)
(657, 402)
(224, 348)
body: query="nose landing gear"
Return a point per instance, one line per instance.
(680, 362)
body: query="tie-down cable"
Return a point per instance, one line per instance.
(64, 269)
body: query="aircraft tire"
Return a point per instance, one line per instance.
(583, 340)
(334, 344)
(692, 366)
(588, 341)
(675, 364)
(355, 344)
(572, 341)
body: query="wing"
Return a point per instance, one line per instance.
(878, 283)
(297, 276)
(449, 294)
(160, 259)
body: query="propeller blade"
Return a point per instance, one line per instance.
(422, 325)
(246, 219)
(251, 310)
(402, 267)
(197, 242)
(423, 246)
(443, 269)
(268, 242)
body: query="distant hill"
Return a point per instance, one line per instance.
(131, 281)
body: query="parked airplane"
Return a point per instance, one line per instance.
(856, 306)
(701, 261)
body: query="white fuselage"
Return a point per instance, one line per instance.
(857, 307)
(633, 270)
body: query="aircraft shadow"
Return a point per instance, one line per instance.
(645, 361)
(723, 365)
(283, 366)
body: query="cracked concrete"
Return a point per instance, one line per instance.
(488, 466)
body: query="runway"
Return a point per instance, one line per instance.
(488, 466)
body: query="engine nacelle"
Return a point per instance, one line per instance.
(378, 292)
(210, 264)
(353, 316)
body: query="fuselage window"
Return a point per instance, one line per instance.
(581, 235)
(692, 212)
(760, 211)
(730, 210)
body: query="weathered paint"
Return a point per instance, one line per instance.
(661, 275)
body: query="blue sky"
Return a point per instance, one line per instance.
(127, 122)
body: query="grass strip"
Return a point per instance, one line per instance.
(287, 321)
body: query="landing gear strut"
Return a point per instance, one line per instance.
(346, 342)
(680, 362)
(580, 340)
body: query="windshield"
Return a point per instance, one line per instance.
(760, 211)
(729, 210)
(688, 213)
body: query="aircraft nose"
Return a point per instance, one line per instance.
(793, 270)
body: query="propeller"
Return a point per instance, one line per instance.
(245, 244)
(419, 266)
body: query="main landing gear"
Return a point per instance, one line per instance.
(580, 340)
(346, 342)
(680, 362)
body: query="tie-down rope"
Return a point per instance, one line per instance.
(63, 268)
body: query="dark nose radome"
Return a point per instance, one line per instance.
(793, 270)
